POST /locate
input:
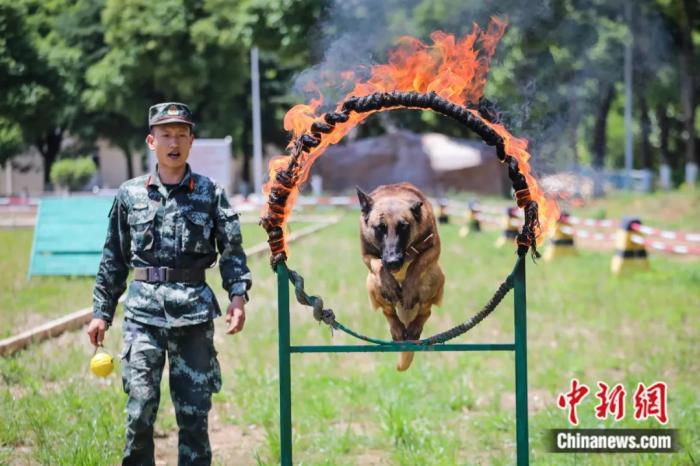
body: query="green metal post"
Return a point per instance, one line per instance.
(519, 346)
(285, 365)
(522, 442)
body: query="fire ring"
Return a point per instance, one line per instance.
(287, 180)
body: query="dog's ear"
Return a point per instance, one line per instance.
(415, 210)
(365, 202)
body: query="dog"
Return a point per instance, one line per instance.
(400, 247)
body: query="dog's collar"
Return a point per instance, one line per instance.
(420, 245)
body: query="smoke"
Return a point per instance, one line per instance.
(356, 35)
(545, 77)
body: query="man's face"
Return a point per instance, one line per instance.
(171, 143)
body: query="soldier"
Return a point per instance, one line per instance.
(167, 226)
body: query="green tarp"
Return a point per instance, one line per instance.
(69, 235)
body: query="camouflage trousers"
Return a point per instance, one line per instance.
(194, 375)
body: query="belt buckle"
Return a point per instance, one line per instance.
(157, 274)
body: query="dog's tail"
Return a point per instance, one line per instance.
(405, 360)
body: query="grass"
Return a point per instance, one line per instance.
(672, 210)
(448, 409)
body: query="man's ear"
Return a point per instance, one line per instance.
(365, 202)
(149, 141)
(415, 210)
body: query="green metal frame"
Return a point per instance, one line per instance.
(519, 346)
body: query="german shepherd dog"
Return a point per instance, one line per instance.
(401, 247)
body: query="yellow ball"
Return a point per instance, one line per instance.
(101, 364)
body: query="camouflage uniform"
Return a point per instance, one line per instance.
(180, 229)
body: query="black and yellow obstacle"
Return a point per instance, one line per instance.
(510, 224)
(630, 250)
(442, 212)
(473, 224)
(561, 243)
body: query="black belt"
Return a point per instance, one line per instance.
(166, 274)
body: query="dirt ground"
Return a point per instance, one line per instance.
(230, 444)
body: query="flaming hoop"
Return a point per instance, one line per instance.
(447, 77)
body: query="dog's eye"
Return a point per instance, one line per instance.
(402, 226)
(381, 228)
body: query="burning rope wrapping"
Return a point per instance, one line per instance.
(288, 179)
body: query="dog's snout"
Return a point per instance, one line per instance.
(393, 263)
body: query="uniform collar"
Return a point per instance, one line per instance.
(187, 181)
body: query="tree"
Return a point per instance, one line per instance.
(198, 53)
(29, 86)
(663, 91)
(12, 36)
(689, 100)
(48, 46)
(11, 142)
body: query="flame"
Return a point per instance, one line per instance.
(300, 117)
(517, 147)
(454, 68)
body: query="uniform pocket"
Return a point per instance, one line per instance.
(231, 224)
(196, 232)
(141, 223)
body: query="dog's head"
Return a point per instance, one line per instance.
(390, 223)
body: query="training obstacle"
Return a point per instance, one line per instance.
(390, 90)
(516, 280)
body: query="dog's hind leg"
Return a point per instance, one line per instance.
(415, 328)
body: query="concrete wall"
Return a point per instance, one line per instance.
(25, 178)
(112, 169)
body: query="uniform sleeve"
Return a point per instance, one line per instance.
(114, 266)
(235, 275)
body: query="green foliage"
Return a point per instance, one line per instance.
(44, 51)
(73, 173)
(91, 68)
(198, 53)
(10, 139)
(29, 85)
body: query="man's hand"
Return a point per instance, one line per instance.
(235, 315)
(96, 331)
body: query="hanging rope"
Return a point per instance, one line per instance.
(328, 316)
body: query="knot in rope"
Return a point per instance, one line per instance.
(316, 302)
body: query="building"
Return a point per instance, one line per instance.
(211, 157)
(433, 162)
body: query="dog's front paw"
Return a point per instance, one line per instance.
(398, 332)
(391, 292)
(409, 299)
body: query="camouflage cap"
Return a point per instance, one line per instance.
(169, 112)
